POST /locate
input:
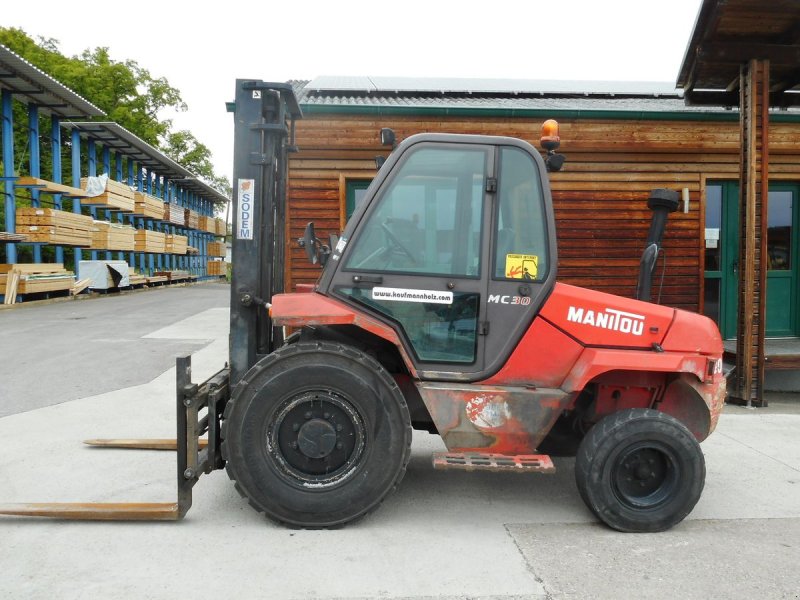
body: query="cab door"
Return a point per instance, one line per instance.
(422, 252)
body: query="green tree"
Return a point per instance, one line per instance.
(125, 91)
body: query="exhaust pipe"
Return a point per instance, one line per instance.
(661, 202)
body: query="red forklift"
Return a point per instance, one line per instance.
(437, 309)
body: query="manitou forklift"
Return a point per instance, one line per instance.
(437, 309)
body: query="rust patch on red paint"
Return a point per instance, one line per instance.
(500, 420)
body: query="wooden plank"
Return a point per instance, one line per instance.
(79, 286)
(12, 283)
(50, 187)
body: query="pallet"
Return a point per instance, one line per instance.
(157, 279)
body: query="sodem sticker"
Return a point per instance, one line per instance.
(522, 266)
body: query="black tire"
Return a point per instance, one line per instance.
(640, 470)
(316, 435)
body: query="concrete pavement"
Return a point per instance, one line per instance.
(442, 535)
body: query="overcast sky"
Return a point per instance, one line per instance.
(201, 47)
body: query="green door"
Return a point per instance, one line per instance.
(722, 260)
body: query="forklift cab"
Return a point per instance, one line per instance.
(454, 248)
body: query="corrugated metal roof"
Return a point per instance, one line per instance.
(460, 85)
(118, 139)
(409, 94)
(37, 87)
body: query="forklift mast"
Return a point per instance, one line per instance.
(264, 117)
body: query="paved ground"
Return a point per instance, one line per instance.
(96, 345)
(443, 535)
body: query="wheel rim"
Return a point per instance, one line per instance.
(317, 439)
(645, 475)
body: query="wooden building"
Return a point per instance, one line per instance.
(620, 140)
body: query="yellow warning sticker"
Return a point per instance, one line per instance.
(522, 266)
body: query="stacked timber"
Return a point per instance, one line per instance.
(216, 249)
(217, 267)
(135, 278)
(191, 250)
(175, 244)
(191, 219)
(149, 241)
(150, 207)
(23, 278)
(173, 213)
(222, 227)
(57, 227)
(208, 224)
(117, 196)
(112, 236)
(173, 276)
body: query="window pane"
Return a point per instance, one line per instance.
(779, 231)
(713, 227)
(521, 241)
(711, 302)
(443, 333)
(429, 218)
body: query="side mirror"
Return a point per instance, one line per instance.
(309, 242)
(316, 251)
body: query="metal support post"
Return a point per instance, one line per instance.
(55, 145)
(8, 171)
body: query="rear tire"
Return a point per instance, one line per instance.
(640, 470)
(316, 435)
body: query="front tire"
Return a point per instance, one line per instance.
(640, 470)
(316, 435)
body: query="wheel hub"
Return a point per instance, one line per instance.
(645, 475)
(316, 437)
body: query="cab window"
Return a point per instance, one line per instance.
(429, 219)
(520, 240)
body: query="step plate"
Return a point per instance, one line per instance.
(471, 461)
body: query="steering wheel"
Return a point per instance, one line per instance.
(393, 239)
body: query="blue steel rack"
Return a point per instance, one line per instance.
(134, 162)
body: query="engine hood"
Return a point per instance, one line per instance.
(691, 332)
(599, 319)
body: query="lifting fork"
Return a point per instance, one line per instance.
(195, 456)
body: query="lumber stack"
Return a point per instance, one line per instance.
(173, 276)
(149, 241)
(33, 278)
(208, 224)
(191, 219)
(118, 196)
(217, 267)
(5, 236)
(150, 207)
(222, 227)
(135, 278)
(175, 244)
(112, 236)
(216, 249)
(174, 214)
(57, 227)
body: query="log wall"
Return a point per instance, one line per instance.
(600, 196)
